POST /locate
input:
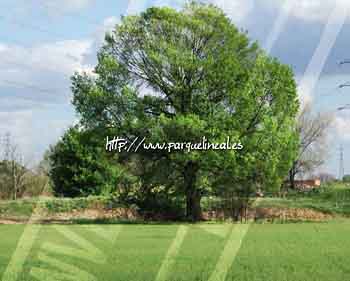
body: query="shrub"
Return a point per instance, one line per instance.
(346, 178)
(61, 205)
(80, 165)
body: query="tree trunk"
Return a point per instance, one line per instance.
(292, 179)
(193, 195)
(292, 174)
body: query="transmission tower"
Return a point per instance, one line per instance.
(341, 163)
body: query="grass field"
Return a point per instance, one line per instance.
(178, 252)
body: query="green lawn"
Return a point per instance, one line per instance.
(274, 252)
(9, 236)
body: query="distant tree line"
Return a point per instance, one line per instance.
(16, 178)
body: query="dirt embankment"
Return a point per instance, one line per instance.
(124, 214)
(94, 214)
(291, 214)
(274, 214)
(90, 214)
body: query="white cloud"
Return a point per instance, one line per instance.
(42, 63)
(3, 47)
(35, 118)
(107, 25)
(136, 6)
(305, 97)
(65, 6)
(342, 125)
(303, 91)
(19, 121)
(63, 56)
(313, 10)
(50, 65)
(32, 78)
(33, 130)
(98, 39)
(237, 10)
(19, 125)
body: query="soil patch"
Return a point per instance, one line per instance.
(274, 213)
(125, 214)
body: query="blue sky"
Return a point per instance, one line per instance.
(42, 43)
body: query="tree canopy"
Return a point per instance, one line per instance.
(176, 76)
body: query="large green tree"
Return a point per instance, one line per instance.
(176, 76)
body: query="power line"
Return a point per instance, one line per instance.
(345, 107)
(344, 85)
(344, 62)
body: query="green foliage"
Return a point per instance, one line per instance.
(81, 167)
(204, 78)
(73, 204)
(331, 199)
(159, 202)
(346, 178)
(21, 209)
